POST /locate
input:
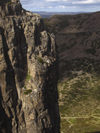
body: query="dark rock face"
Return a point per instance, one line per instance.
(28, 81)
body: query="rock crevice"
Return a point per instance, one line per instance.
(28, 75)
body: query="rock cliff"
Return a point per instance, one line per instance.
(28, 81)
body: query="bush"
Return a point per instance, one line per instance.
(40, 60)
(28, 77)
(26, 92)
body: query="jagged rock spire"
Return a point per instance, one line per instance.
(6, 1)
(28, 80)
(10, 7)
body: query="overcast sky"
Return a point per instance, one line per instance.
(62, 5)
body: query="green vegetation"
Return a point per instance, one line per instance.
(28, 77)
(79, 98)
(40, 60)
(28, 91)
(80, 125)
(79, 71)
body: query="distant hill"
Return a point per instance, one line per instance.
(74, 23)
(49, 14)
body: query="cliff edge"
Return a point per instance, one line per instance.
(28, 74)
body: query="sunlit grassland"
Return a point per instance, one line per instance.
(79, 101)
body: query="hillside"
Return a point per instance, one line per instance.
(49, 14)
(74, 23)
(78, 45)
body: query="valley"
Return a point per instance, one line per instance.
(78, 48)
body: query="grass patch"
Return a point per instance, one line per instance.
(80, 125)
(28, 77)
(26, 92)
(79, 96)
(40, 60)
(72, 120)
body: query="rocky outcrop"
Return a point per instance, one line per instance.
(28, 81)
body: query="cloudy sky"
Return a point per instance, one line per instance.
(62, 5)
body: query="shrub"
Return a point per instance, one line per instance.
(28, 77)
(40, 60)
(26, 92)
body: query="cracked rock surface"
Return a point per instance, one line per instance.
(28, 74)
